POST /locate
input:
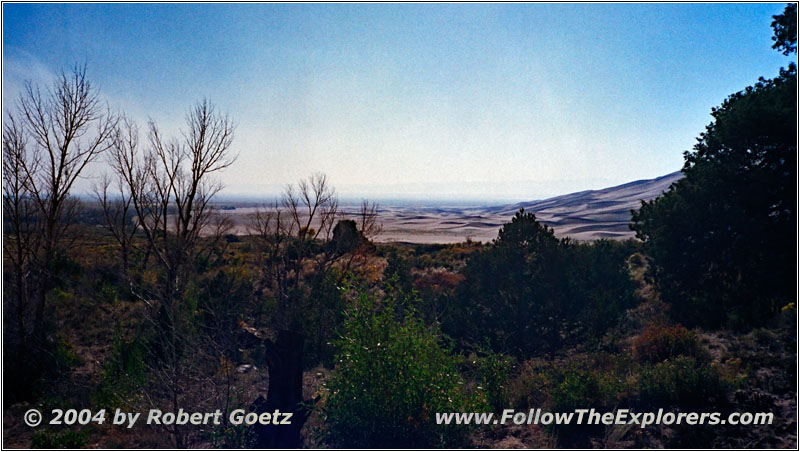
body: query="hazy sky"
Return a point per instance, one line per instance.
(412, 100)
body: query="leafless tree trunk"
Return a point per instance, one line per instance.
(170, 187)
(58, 133)
(287, 231)
(367, 219)
(118, 209)
(306, 213)
(291, 234)
(20, 217)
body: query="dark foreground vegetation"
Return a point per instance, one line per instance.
(141, 298)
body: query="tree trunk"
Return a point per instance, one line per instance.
(285, 393)
(44, 281)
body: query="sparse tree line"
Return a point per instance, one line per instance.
(156, 204)
(193, 316)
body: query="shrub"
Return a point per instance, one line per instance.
(494, 372)
(45, 439)
(682, 382)
(436, 287)
(392, 376)
(107, 292)
(657, 343)
(323, 316)
(586, 388)
(398, 268)
(123, 372)
(530, 387)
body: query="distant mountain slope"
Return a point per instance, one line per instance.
(585, 215)
(594, 214)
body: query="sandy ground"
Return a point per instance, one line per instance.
(587, 215)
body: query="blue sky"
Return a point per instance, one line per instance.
(503, 101)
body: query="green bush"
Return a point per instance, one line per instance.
(398, 271)
(586, 388)
(683, 382)
(123, 372)
(323, 316)
(45, 439)
(392, 376)
(494, 372)
(107, 292)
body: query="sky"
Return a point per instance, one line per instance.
(472, 101)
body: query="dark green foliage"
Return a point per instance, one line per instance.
(392, 376)
(323, 312)
(107, 292)
(682, 382)
(64, 269)
(584, 388)
(448, 256)
(222, 299)
(509, 297)
(599, 284)
(785, 28)
(124, 373)
(46, 439)
(584, 385)
(721, 241)
(399, 269)
(532, 293)
(494, 373)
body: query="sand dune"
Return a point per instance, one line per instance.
(585, 215)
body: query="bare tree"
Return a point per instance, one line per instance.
(367, 218)
(302, 237)
(287, 232)
(20, 217)
(306, 213)
(119, 219)
(56, 134)
(171, 186)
